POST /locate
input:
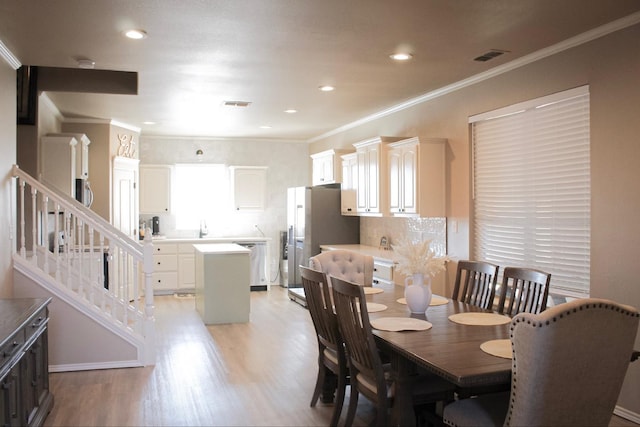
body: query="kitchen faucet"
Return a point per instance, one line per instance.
(203, 229)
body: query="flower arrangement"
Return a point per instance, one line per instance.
(418, 258)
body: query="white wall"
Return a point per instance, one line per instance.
(7, 159)
(288, 165)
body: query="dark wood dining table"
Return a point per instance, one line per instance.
(447, 349)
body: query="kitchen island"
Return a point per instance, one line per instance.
(222, 283)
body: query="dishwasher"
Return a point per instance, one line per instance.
(258, 265)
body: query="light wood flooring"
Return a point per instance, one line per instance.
(259, 373)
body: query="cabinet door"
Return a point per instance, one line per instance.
(373, 179)
(187, 271)
(348, 202)
(11, 405)
(395, 181)
(249, 187)
(362, 190)
(409, 164)
(323, 170)
(155, 189)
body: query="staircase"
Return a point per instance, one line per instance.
(99, 278)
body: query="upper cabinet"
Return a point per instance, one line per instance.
(417, 177)
(155, 189)
(348, 199)
(326, 167)
(372, 192)
(249, 186)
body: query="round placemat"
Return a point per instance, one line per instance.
(369, 290)
(435, 300)
(498, 348)
(373, 307)
(482, 319)
(395, 324)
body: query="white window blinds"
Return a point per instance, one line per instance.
(532, 188)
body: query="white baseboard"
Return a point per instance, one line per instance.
(93, 366)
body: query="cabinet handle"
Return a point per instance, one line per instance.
(15, 345)
(38, 322)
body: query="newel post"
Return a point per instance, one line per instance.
(149, 322)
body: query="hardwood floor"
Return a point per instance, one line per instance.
(259, 373)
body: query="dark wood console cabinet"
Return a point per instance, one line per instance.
(25, 399)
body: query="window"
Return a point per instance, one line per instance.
(531, 188)
(200, 194)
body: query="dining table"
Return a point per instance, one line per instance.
(448, 349)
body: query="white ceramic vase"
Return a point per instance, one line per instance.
(417, 292)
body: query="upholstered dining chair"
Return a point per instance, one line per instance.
(476, 283)
(348, 265)
(523, 290)
(569, 363)
(331, 353)
(367, 374)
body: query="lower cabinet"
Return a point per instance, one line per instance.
(186, 267)
(25, 399)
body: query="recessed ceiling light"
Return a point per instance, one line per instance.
(148, 123)
(136, 34)
(265, 127)
(401, 56)
(290, 111)
(326, 88)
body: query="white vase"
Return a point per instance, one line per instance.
(418, 293)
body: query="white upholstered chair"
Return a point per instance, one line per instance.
(569, 363)
(351, 266)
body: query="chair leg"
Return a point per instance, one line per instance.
(319, 383)
(339, 401)
(353, 405)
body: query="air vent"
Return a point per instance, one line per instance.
(490, 55)
(236, 103)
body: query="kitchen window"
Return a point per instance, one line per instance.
(200, 194)
(532, 188)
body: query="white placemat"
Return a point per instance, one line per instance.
(369, 290)
(499, 348)
(482, 319)
(395, 324)
(373, 307)
(435, 300)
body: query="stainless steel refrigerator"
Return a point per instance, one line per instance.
(314, 219)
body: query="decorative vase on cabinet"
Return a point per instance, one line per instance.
(418, 293)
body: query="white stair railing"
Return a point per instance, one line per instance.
(97, 264)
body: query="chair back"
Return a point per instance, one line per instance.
(523, 290)
(365, 364)
(319, 303)
(351, 266)
(476, 283)
(570, 362)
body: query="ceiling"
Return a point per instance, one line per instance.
(276, 53)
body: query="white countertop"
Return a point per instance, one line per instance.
(221, 248)
(374, 251)
(206, 240)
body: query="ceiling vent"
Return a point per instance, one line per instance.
(490, 55)
(236, 103)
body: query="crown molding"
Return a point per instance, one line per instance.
(572, 42)
(109, 122)
(11, 59)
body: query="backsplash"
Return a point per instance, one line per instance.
(398, 229)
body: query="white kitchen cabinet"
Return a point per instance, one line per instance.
(248, 187)
(155, 189)
(348, 196)
(165, 268)
(372, 191)
(382, 271)
(326, 167)
(416, 177)
(186, 266)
